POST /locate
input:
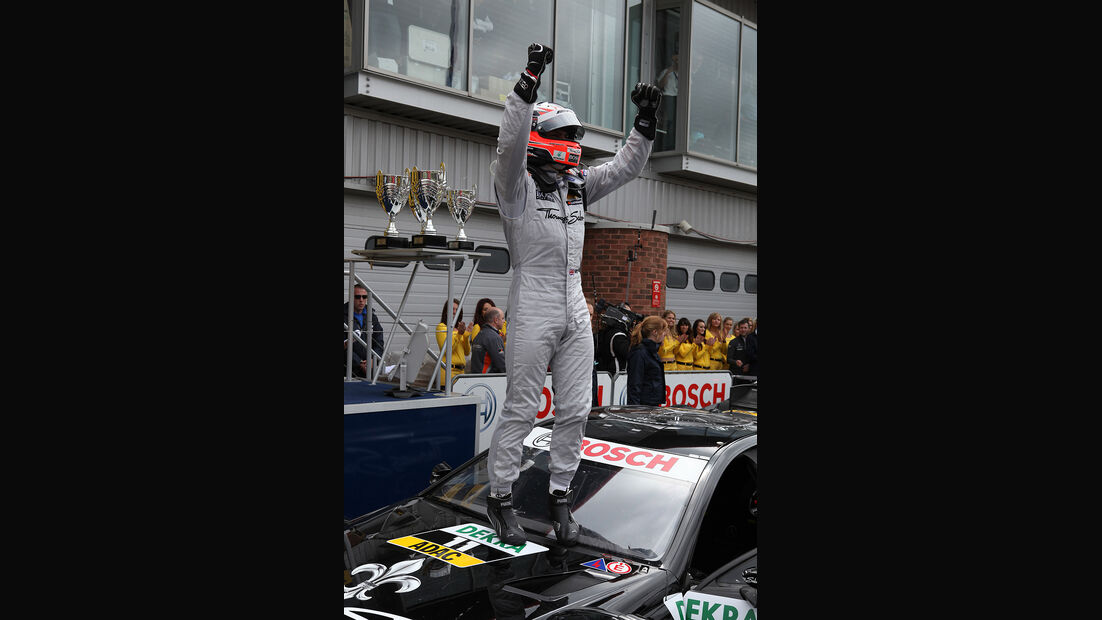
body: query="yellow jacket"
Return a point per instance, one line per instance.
(684, 355)
(717, 352)
(461, 348)
(702, 357)
(667, 352)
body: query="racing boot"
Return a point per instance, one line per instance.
(566, 528)
(504, 519)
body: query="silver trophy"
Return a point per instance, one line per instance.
(461, 205)
(392, 190)
(428, 190)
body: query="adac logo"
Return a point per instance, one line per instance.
(487, 409)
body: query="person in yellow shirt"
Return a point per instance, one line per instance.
(729, 335)
(461, 340)
(716, 343)
(701, 351)
(667, 351)
(684, 353)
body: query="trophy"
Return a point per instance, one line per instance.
(392, 190)
(428, 190)
(461, 205)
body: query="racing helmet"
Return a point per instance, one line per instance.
(542, 149)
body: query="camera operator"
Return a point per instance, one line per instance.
(614, 339)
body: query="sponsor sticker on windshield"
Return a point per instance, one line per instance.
(627, 457)
(464, 545)
(694, 605)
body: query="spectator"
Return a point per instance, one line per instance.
(714, 341)
(729, 333)
(668, 351)
(461, 340)
(742, 362)
(479, 319)
(646, 376)
(684, 344)
(359, 318)
(701, 351)
(487, 348)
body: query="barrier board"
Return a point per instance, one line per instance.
(696, 389)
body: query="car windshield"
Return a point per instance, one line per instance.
(620, 510)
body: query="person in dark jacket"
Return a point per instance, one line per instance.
(742, 351)
(646, 376)
(487, 348)
(359, 317)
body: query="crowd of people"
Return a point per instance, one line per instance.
(643, 348)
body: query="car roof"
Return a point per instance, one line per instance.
(679, 430)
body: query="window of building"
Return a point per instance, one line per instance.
(704, 280)
(441, 264)
(752, 283)
(589, 74)
(496, 262)
(676, 277)
(748, 99)
(667, 66)
(729, 282)
(713, 83)
(426, 40)
(503, 30)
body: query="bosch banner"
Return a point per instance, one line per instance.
(696, 389)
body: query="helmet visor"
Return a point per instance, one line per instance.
(561, 119)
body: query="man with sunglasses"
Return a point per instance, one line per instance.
(543, 191)
(359, 317)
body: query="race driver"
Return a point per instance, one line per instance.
(543, 191)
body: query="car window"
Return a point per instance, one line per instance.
(617, 508)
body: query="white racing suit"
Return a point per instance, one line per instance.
(548, 318)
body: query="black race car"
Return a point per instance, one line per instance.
(667, 503)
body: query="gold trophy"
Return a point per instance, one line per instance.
(461, 205)
(392, 190)
(428, 190)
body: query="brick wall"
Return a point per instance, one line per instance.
(605, 266)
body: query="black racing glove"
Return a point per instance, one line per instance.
(647, 97)
(539, 56)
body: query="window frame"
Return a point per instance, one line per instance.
(491, 248)
(681, 269)
(707, 271)
(738, 282)
(746, 287)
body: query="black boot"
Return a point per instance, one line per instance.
(504, 519)
(566, 528)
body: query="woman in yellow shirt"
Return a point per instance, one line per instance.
(716, 343)
(684, 354)
(667, 351)
(730, 334)
(702, 353)
(461, 340)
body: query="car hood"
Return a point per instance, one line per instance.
(419, 559)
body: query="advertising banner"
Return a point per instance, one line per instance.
(696, 389)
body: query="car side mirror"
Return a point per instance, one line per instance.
(440, 470)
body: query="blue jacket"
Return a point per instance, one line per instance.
(359, 352)
(646, 377)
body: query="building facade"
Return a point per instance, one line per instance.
(425, 82)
